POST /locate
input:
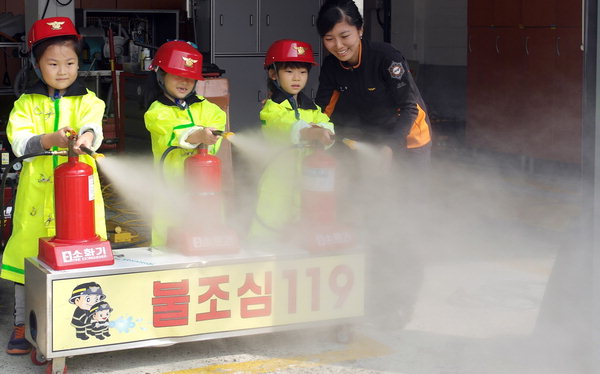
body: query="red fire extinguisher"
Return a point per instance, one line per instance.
(318, 188)
(207, 235)
(76, 243)
(320, 230)
(203, 179)
(74, 202)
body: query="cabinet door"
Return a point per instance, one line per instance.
(235, 26)
(247, 87)
(507, 12)
(539, 12)
(494, 74)
(480, 101)
(506, 78)
(568, 98)
(568, 13)
(16, 7)
(538, 120)
(281, 19)
(480, 12)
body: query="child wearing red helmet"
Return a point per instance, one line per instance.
(179, 117)
(40, 120)
(288, 118)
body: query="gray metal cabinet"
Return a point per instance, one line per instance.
(288, 20)
(241, 32)
(247, 87)
(250, 26)
(234, 26)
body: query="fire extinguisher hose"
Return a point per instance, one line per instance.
(164, 156)
(9, 167)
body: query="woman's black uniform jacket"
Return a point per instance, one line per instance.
(376, 99)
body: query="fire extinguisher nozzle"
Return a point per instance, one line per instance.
(94, 155)
(225, 134)
(58, 153)
(352, 144)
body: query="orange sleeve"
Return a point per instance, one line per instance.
(332, 102)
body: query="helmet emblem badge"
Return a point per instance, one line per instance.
(300, 50)
(56, 25)
(189, 62)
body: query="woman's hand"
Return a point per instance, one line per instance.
(59, 138)
(317, 134)
(203, 135)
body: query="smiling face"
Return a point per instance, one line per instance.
(59, 64)
(102, 315)
(179, 87)
(291, 79)
(343, 41)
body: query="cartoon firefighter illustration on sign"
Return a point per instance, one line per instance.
(85, 296)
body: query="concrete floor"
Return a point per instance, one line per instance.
(502, 288)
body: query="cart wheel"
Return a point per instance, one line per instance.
(49, 369)
(344, 334)
(37, 358)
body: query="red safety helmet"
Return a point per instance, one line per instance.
(179, 58)
(49, 28)
(287, 50)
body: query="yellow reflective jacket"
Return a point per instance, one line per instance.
(170, 125)
(35, 113)
(278, 203)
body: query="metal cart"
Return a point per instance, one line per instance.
(152, 297)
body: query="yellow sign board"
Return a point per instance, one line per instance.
(124, 308)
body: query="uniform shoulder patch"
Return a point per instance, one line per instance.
(396, 70)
